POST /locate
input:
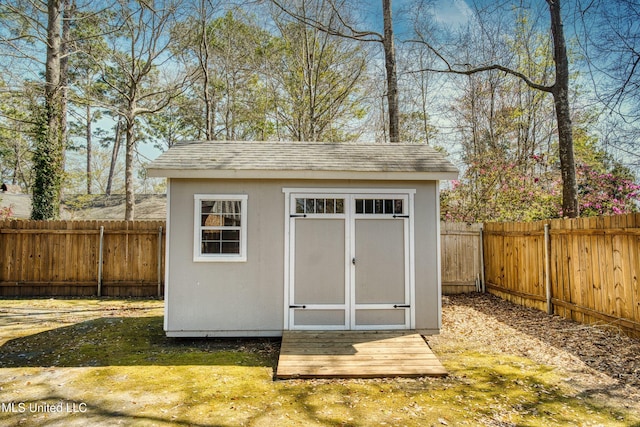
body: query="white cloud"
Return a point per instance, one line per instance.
(452, 12)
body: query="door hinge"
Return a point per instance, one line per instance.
(401, 306)
(297, 216)
(297, 306)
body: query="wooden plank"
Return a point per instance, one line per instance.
(574, 272)
(459, 256)
(634, 253)
(354, 354)
(597, 265)
(624, 231)
(618, 272)
(636, 269)
(625, 323)
(47, 283)
(609, 282)
(583, 282)
(333, 363)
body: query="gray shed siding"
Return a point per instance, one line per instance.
(247, 298)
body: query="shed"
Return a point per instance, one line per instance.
(264, 237)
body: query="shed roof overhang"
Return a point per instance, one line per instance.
(297, 160)
(297, 174)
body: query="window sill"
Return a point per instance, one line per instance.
(220, 259)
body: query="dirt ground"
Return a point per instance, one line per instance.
(599, 360)
(508, 366)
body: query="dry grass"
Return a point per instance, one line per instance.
(110, 362)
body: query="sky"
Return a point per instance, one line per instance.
(448, 13)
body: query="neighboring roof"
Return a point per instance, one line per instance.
(302, 160)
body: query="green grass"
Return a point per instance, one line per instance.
(113, 357)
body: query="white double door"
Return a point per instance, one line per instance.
(350, 261)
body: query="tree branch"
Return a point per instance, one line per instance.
(469, 70)
(363, 36)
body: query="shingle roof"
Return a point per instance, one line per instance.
(224, 159)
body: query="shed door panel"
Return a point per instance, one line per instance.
(380, 261)
(381, 286)
(319, 262)
(319, 295)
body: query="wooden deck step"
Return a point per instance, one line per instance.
(356, 354)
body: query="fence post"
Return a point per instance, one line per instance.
(160, 261)
(100, 257)
(547, 267)
(483, 287)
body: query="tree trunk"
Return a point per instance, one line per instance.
(129, 213)
(48, 156)
(114, 156)
(570, 207)
(209, 110)
(64, 73)
(392, 78)
(88, 134)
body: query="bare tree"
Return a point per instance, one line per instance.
(138, 47)
(610, 39)
(319, 78)
(341, 27)
(559, 90)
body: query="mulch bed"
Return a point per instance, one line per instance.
(599, 360)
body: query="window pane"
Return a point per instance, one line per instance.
(339, 206)
(300, 206)
(310, 208)
(230, 248)
(330, 206)
(211, 220)
(210, 235)
(388, 206)
(379, 206)
(398, 207)
(319, 205)
(232, 220)
(210, 206)
(210, 247)
(207, 206)
(230, 235)
(368, 206)
(359, 206)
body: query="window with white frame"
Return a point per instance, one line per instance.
(220, 227)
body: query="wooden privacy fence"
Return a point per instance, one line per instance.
(461, 257)
(585, 269)
(81, 258)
